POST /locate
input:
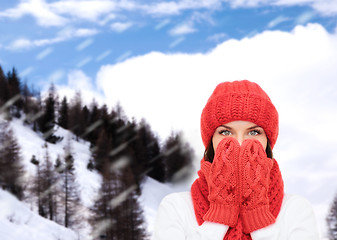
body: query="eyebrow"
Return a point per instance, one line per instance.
(256, 126)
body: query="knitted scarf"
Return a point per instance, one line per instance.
(199, 191)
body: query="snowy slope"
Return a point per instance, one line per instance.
(27, 222)
(17, 221)
(31, 144)
(152, 194)
(89, 182)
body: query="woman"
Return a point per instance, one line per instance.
(239, 192)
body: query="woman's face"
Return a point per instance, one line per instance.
(240, 130)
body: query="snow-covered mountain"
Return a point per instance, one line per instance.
(19, 220)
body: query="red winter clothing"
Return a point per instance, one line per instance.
(239, 100)
(242, 188)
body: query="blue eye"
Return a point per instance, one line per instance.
(225, 132)
(254, 132)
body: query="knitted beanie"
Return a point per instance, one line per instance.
(239, 100)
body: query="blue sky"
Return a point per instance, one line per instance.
(162, 59)
(45, 40)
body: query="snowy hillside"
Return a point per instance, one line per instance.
(17, 221)
(31, 144)
(152, 194)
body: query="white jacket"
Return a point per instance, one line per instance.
(176, 221)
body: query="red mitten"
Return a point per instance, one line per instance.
(222, 180)
(255, 169)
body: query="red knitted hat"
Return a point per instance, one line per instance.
(239, 100)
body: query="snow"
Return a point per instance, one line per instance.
(152, 194)
(31, 144)
(17, 221)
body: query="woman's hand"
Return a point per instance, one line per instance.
(254, 170)
(222, 180)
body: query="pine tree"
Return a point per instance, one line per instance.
(11, 168)
(117, 213)
(94, 123)
(27, 98)
(3, 88)
(105, 216)
(14, 89)
(47, 120)
(332, 220)
(76, 123)
(148, 153)
(132, 224)
(178, 157)
(63, 114)
(101, 151)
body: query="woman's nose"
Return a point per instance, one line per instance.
(240, 138)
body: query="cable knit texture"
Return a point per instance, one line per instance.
(222, 179)
(255, 169)
(242, 188)
(239, 100)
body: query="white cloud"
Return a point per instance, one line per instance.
(59, 13)
(85, 10)
(297, 69)
(248, 3)
(39, 9)
(62, 13)
(163, 8)
(120, 26)
(85, 32)
(270, 55)
(20, 43)
(181, 29)
(63, 35)
(324, 7)
(78, 81)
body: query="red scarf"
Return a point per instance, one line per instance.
(199, 191)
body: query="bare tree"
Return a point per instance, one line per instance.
(69, 188)
(47, 181)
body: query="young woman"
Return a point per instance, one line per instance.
(239, 191)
